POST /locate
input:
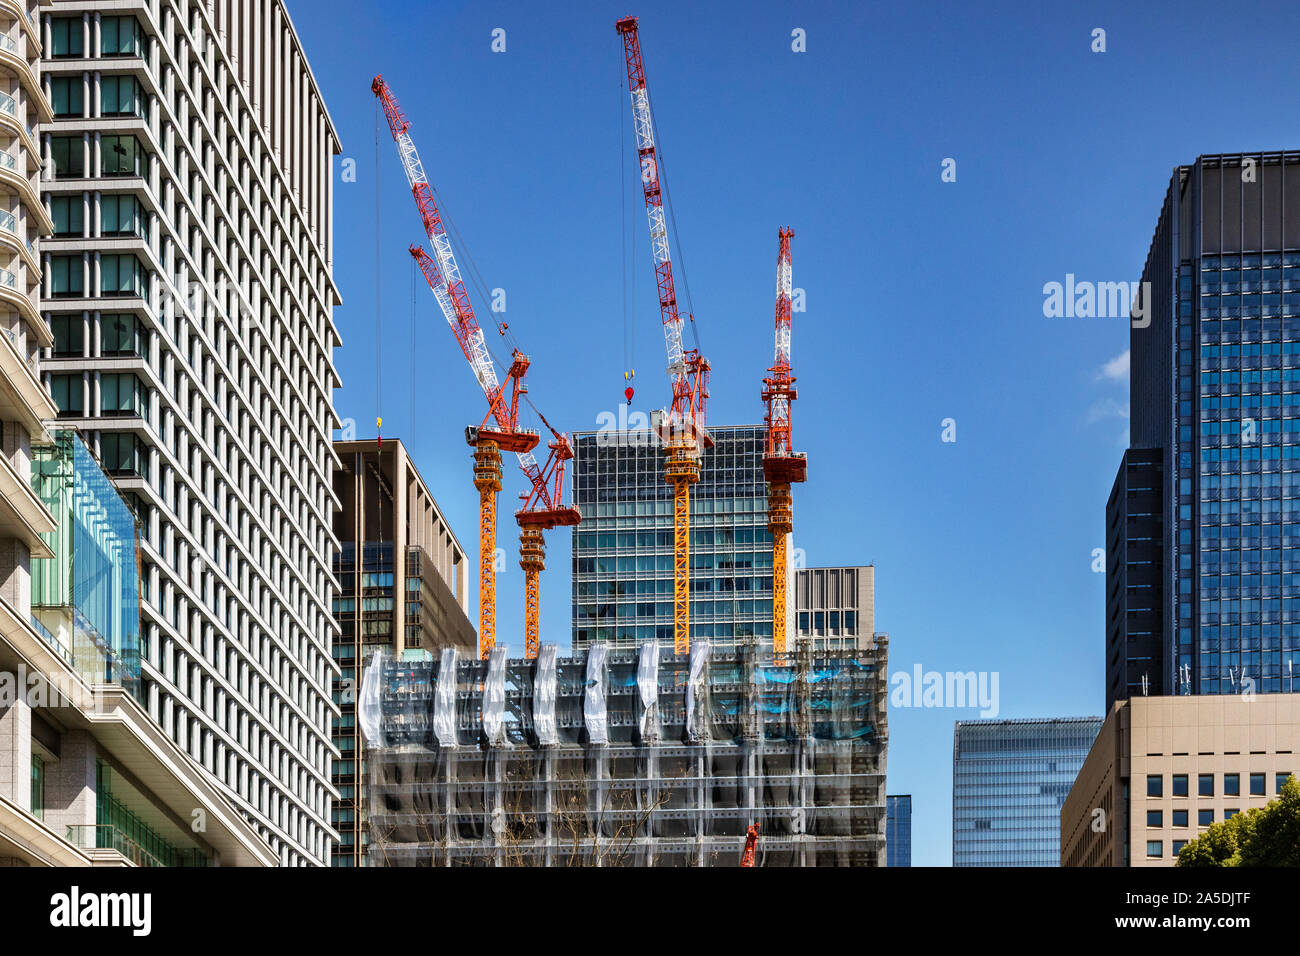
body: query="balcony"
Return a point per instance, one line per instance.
(13, 294)
(13, 174)
(14, 59)
(11, 235)
(106, 845)
(12, 118)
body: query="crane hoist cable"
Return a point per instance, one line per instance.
(379, 287)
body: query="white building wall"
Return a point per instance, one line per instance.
(230, 459)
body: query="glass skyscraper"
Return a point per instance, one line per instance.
(623, 549)
(898, 830)
(1009, 780)
(1215, 397)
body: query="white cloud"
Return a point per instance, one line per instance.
(1116, 370)
(1107, 408)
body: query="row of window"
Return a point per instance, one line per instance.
(119, 275)
(118, 36)
(1205, 784)
(120, 334)
(119, 216)
(120, 394)
(119, 155)
(118, 96)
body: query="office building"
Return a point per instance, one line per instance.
(623, 549)
(87, 778)
(188, 286)
(1134, 575)
(1215, 370)
(1009, 779)
(629, 757)
(1162, 769)
(387, 518)
(835, 607)
(898, 830)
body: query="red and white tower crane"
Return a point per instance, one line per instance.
(683, 428)
(500, 427)
(782, 465)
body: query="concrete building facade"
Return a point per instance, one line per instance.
(1162, 769)
(189, 290)
(403, 589)
(835, 607)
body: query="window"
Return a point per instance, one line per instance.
(1257, 785)
(1229, 814)
(1205, 785)
(1155, 848)
(1180, 785)
(122, 394)
(67, 215)
(66, 276)
(66, 37)
(121, 156)
(1204, 817)
(1155, 785)
(67, 334)
(123, 455)
(1155, 818)
(1231, 784)
(122, 216)
(1178, 846)
(66, 93)
(121, 36)
(122, 275)
(1281, 779)
(122, 96)
(38, 787)
(120, 334)
(66, 392)
(68, 156)
(1180, 818)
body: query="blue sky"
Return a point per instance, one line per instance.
(924, 298)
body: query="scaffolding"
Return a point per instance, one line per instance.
(635, 757)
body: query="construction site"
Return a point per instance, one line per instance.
(665, 752)
(628, 758)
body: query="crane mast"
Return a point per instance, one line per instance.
(500, 427)
(683, 432)
(782, 465)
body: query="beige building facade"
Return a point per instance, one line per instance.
(1163, 769)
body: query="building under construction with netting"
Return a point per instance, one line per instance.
(632, 757)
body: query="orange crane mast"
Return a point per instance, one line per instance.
(782, 465)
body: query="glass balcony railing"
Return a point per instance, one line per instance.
(8, 279)
(8, 222)
(8, 43)
(7, 160)
(107, 837)
(8, 104)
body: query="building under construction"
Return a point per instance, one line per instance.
(627, 757)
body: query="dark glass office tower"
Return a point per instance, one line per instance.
(898, 830)
(1134, 574)
(1215, 392)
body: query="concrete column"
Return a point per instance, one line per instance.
(16, 748)
(70, 783)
